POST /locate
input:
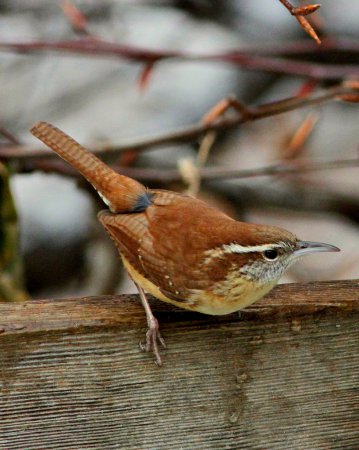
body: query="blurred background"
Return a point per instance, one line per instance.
(106, 100)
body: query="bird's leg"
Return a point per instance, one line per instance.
(153, 335)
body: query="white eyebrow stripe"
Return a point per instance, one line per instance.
(236, 248)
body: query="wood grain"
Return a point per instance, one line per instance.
(284, 375)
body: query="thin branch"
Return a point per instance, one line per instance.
(349, 47)
(164, 176)
(250, 59)
(190, 169)
(279, 169)
(93, 47)
(9, 136)
(296, 146)
(193, 132)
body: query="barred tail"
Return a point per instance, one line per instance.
(120, 193)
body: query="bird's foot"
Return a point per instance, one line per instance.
(153, 337)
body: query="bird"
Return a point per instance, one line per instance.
(178, 248)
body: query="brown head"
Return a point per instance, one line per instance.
(263, 253)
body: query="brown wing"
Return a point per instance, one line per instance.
(131, 235)
(167, 242)
(180, 230)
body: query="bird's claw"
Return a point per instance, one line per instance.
(153, 337)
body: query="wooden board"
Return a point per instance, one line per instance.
(284, 375)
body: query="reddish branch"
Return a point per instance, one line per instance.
(193, 132)
(304, 47)
(263, 59)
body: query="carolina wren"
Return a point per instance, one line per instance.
(178, 248)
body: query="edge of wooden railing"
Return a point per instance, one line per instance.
(286, 300)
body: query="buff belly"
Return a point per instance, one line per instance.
(224, 298)
(209, 302)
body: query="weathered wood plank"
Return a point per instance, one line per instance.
(284, 301)
(282, 376)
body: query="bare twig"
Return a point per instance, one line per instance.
(191, 171)
(216, 173)
(353, 84)
(190, 176)
(296, 145)
(76, 18)
(193, 132)
(149, 175)
(9, 136)
(349, 47)
(299, 13)
(220, 108)
(250, 59)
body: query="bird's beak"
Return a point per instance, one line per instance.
(306, 247)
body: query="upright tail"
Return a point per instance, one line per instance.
(120, 193)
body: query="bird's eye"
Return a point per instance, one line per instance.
(271, 255)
